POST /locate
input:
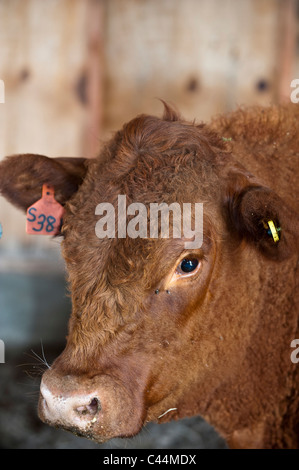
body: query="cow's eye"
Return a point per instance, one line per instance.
(187, 265)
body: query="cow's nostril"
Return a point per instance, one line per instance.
(91, 409)
(93, 406)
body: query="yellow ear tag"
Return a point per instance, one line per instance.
(273, 230)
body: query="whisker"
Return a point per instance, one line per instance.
(43, 353)
(41, 360)
(38, 372)
(38, 368)
(35, 369)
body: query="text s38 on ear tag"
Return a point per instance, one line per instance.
(44, 217)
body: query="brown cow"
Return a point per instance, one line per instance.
(158, 329)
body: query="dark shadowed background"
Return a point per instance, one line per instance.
(74, 71)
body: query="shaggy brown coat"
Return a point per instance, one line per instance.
(216, 343)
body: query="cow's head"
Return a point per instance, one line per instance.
(155, 326)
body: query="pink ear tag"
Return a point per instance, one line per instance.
(44, 217)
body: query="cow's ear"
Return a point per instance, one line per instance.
(22, 177)
(259, 216)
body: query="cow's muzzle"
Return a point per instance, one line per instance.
(98, 408)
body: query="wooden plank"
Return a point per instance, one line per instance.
(287, 48)
(296, 66)
(94, 78)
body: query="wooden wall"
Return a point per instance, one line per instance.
(205, 56)
(75, 70)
